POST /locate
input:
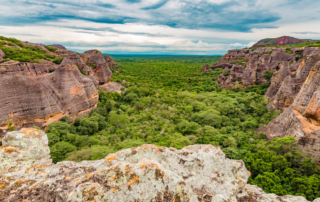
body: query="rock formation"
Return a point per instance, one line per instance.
(58, 46)
(284, 40)
(294, 88)
(302, 118)
(37, 94)
(146, 173)
(31, 99)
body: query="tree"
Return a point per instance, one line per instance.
(59, 151)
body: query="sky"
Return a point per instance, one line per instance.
(169, 27)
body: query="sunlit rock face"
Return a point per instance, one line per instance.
(302, 118)
(37, 94)
(30, 99)
(147, 173)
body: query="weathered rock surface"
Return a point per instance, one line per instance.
(37, 94)
(112, 87)
(43, 99)
(301, 119)
(248, 67)
(252, 193)
(146, 173)
(95, 59)
(58, 46)
(110, 61)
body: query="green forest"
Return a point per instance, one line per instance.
(169, 102)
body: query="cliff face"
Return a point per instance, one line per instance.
(302, 118)
(146, 173)
(294, 88)
(37, 94)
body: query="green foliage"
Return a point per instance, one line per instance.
(268, 75)
(93, 66)
(50, 48)
(23, 53)
(51, 70)
(168, 102)
(57, 60)
(227, 73)
(288, 50)
(82, 72)
(268, 52)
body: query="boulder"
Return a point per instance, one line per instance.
(58, 46)
(110, 61)
(145, 173)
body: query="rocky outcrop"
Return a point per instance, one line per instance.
(1, 55)
(112, 87)
(96, 61)
(58, 46)
(31, 99)
(284, 40)
(146, 173)
(110, 61)
(252, 193)
(302, 118)
(37, 94)
(248, 67)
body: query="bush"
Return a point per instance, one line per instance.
(268, 75)
(57, 60)
(50, 48)
(227, 73)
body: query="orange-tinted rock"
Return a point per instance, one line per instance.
(43, 99)
(302, 118)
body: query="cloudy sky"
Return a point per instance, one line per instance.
(196, 27)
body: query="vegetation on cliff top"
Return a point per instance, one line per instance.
(14, 50)
(169, 103)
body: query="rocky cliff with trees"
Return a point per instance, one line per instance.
(292, 71)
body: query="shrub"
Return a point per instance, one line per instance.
(50, 48)
(51, 70)
(268, 75)
(57, 60)
(227, 73)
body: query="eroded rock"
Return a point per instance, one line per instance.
(147, 173)
(112, 87)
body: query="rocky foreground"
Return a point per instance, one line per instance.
(37, 94)
(146, 173)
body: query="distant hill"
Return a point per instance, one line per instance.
(284, 40)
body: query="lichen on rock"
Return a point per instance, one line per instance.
(145, 173)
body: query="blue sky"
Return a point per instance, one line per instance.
(196, 27)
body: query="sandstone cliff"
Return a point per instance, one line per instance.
(146, 173)
(294, 88)
(37, 94)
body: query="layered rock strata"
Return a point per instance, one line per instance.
(146, 173)
(289, 70)
(31, 99)
(302, 118)
(37, 94)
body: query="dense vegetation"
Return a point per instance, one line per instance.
(16, 51)
(168, 102)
